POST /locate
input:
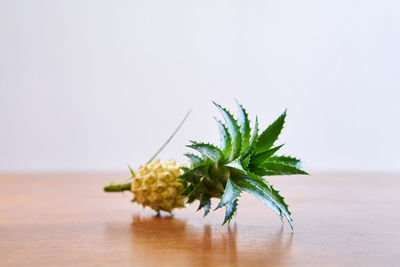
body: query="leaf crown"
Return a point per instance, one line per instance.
(238, 165)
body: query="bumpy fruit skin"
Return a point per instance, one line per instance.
(156, 185)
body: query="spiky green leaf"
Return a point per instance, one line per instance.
(232, 192)
(230, 210)
(260, 194)
(270, 135)
(190, 178)
(185, 169)
(194, 159)
(245, 162)
(200, 171)
(234, 131)
(286, 160)
(225, 139)
(229, 199)
(237, 164)
(188, 189)
(257, 159)
(208, 151)
(279, 168)
(250, 149)
(244, 124)
(205, 202)
(259, 188)
(196, 192)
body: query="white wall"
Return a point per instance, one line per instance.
(92, 85)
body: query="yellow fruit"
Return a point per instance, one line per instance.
(156, 185)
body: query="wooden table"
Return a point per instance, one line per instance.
(66, 220)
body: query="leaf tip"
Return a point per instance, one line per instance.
(216, 104)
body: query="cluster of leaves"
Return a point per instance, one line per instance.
(238, 165)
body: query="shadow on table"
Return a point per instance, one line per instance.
(166, 240)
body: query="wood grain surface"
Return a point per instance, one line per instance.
(66, 220)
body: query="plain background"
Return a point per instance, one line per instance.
(92, 85)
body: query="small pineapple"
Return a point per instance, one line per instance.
(156, 185)
(238, 165)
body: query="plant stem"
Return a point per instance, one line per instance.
(117, 187)
(170, 138)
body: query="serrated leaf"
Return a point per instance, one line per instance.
(205, 202)
(259, 188)
(200, 170)
(208, 151)
(189, 177)
(253, 141)
(286, 160)
(257, 159)
(280, 168)
(230, 210)
(225, 139)
(188, 189)
(185, 169)
(237, 164)
(244, 124)
(263, 172)
(232, 192)
(194, 159)
(195, 193)
(270, 135)
(258, 191)
(245, 162)
(234, 131)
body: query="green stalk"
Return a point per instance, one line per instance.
(170, 138)
(117, 187)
